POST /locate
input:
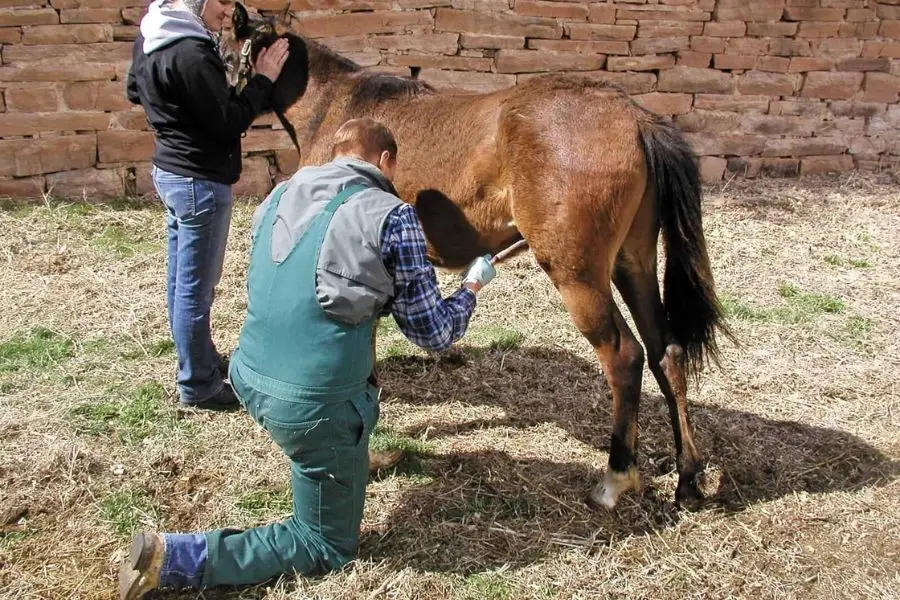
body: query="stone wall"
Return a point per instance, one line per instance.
(772, 87)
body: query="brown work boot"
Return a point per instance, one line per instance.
(384, 460)
(140, 570)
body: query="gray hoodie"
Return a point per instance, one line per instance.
(163, 25)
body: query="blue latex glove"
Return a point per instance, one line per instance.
(479, 273)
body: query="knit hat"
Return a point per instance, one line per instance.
(195, 6)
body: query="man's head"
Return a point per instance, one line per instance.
(369, 140)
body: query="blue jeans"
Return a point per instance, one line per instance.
(198, 217)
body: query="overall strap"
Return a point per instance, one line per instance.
(343, 197)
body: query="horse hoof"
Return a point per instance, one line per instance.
(615, 483)
(688, 496)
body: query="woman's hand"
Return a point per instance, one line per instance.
(270, 60)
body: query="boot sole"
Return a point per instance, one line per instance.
(139, 557)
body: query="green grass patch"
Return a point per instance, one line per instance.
(125, 244)
(859, 326)
(39, 348)
(162, 347)
(798, 307)
(496, 337)
(138, 415)
(399, 349)
(856, 263)
(483, 586)
(127, 510)
(11, 538)
(806, 304)
(387, 325)
(384, 439)
(94, 419)
(265, 504)
(735, 308)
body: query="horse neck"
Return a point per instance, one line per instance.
(325, 67)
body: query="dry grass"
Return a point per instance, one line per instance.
(799, 426)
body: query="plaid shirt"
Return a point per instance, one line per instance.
(423, 316)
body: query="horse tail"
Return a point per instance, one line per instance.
(692, 309)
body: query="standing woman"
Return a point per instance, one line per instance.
(179, 78)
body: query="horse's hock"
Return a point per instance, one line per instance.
(762, 87)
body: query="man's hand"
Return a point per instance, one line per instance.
(270, 60)
(479, 273)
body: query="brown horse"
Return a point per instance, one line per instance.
(575, 167)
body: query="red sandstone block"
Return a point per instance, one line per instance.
(583, 46)
(651, 29)
(865, 64)
(734, 62)
(659, 45)
(10, 17)
(13, 124)
(818, 29)
(708, 44)
(797, 13)
(640, 63)
(469, 81)
(665, 104)
(578, 31)
(725, 29)
(773, 64)
(801, 64)
(813, 165)
(66, 34)
(712, 168)
(494, 42)
(881, 87)
(602, 13)
(769, 84)
(495, 24)
(728, 102)
(804, 146)
(832, 86)
(688, 79)
(32, 97)
(124, 146)
(709, 122)
(256, 179)
(87, 184)
(46, 155)
(789, 47)
(531, 61)
(554, 10)
(777, 29)
(95, 15)
(688, 58)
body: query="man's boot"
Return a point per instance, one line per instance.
(140, 571)
(384, 460)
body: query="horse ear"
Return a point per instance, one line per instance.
(240, 22)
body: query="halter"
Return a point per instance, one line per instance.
(243, 73)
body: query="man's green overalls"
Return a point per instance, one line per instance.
(317, 406)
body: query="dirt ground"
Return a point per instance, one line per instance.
(506, 434)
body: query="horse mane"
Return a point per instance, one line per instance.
(371, 88)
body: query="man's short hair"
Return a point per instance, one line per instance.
(365, 137)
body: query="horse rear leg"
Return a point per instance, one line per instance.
(596, 315)
(635, 278)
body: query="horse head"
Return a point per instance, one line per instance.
(249, 34)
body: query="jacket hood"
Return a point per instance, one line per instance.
(164, 25)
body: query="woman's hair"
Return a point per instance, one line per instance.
(364, 137)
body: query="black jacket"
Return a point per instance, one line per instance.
(197, 117)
